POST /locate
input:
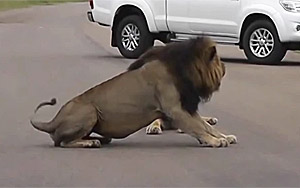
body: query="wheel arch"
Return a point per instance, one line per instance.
(249, 20)
(132, 9)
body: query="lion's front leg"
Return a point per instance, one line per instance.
(210, 120)
(213, 131)
(156, 126)
(197, 129)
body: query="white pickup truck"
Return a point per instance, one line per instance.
(264, 29)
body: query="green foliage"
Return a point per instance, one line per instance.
(12, 4)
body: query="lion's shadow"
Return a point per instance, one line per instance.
(150, 145)
(133, 145)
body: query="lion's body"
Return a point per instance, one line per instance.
(125, 110)
(161, 87)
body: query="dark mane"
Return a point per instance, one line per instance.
(179, 58)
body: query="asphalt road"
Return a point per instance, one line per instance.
(54, 51)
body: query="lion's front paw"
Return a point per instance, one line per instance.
(180, 131)
(213, 121)
(95, 144)
(231, 139)
(222, 142)
(215, 142)
(154, 128)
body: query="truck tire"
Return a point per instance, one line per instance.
(133, 37)
(261, 43)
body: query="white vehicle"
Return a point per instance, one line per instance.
(264, 29)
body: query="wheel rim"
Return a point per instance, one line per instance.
(130, 37)
(261, 43)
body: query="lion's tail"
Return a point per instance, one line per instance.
(47, 127)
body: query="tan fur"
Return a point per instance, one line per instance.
(134, 99)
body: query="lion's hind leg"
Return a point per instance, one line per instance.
(103, 140)
(82, 144)
(76, 122)
(155, 127)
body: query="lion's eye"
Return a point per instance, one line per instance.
(212, 53)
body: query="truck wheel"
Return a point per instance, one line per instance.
(261, 43)
(133, 37)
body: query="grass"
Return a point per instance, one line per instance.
(13, 4)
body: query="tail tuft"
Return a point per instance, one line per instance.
(53, 101)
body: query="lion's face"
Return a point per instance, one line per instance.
(209, 69)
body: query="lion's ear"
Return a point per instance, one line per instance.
(212, 51)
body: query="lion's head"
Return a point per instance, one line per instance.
(206, 70)
(195, 66)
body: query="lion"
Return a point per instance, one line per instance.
(169, 87)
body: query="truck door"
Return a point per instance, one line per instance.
(214, 17)
(177, 16)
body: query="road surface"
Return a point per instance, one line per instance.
(54, 51)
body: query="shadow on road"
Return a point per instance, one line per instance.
(150, 145)
(104, 57)
(245, 61)
(227, 60)
(132, 145)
